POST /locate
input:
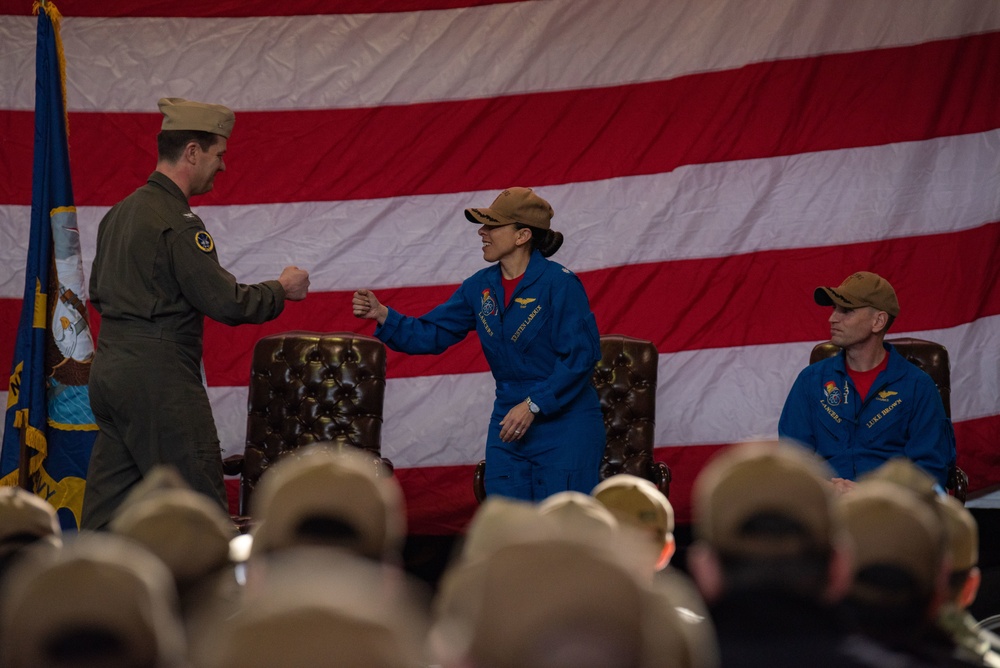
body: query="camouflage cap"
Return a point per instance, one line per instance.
(751, 480)
(514, 205)
(181, 114)
(320, 483)
(890, 526)
(635, 501)
(861, 288)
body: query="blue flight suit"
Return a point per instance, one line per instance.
(544, 345)
(902, 416)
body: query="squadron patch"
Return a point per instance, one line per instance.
(832, 393)
(204, 241)
(489, 306)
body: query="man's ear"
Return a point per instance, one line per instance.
(840, 572)
(881, 320)
(971, 587)
(191, 151)
(669, 547)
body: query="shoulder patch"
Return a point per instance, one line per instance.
(204, 241)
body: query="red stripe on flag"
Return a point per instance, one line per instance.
(776, 108)
(439, 499)
(755, 299)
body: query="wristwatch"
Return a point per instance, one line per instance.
(532, 406)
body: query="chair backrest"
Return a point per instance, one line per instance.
(308, 387)
(625, 380)
(932, 358)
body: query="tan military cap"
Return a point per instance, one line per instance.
(862, 288)
(23, 514)
(187, 530)
(578, 513)
(315, 607)
(891, 526)
(100, 587)
(561, 599)
(181, 114)
(751, 479)
(514, 205)
(500, 521)
(323, 484)
(637, 502)
(902, 471)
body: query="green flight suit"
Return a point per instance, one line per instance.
(156, 275)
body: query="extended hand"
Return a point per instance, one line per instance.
(367, 305)
(295, 281)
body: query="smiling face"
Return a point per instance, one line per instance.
(208, 163)
(502, 240)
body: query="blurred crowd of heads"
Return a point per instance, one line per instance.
(576, 580)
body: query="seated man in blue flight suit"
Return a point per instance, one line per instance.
(867, 404)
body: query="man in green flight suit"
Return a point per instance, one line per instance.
(156, 275)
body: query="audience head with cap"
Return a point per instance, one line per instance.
(192, 140)
(318, 495)
(25, 520)
(190, 534)
(901, 564)
(320, 607)
(558, 603)
(636, 503)
(102, 600)
(764, 520)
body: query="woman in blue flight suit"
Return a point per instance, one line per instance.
(540, 339)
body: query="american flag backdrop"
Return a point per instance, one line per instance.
(709, 161)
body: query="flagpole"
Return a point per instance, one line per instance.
(24, 463)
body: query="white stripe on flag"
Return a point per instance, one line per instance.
(818, 199)
(359, 60)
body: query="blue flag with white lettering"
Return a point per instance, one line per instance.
(48, 405)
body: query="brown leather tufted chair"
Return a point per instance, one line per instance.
(307, 387)
(932, 358)
(625, 380)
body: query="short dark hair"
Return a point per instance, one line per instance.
(804, 572)
(888, 602)
(170, 143)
